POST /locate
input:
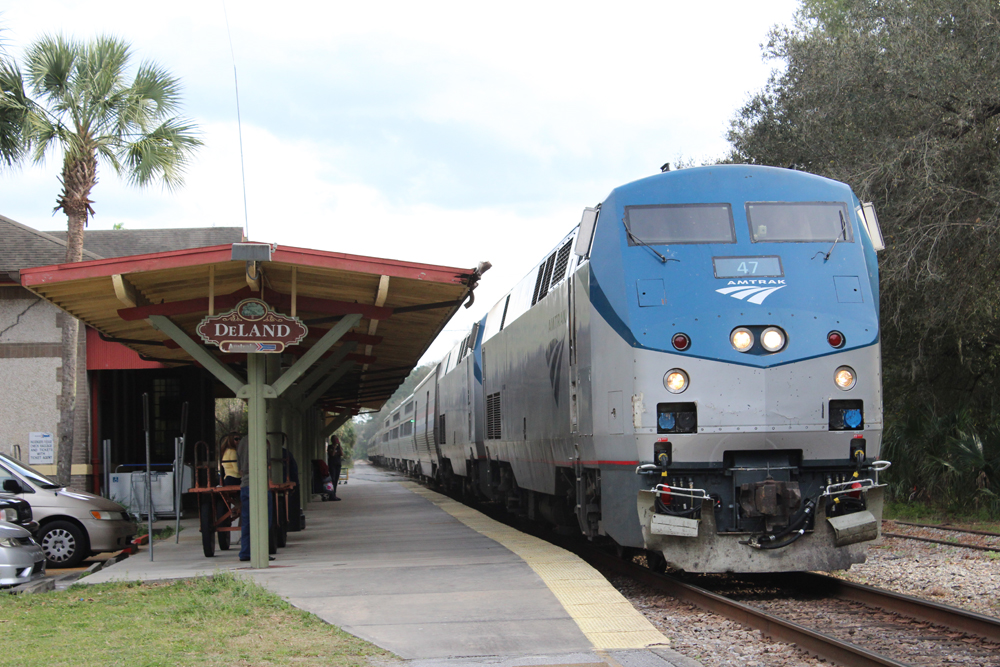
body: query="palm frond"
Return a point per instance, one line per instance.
(162, 154)
(14, 110)
(50, 67)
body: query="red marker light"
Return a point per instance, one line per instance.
(681, 342)
(835, 339)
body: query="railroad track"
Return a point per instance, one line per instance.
(926, 630)
(964, 545)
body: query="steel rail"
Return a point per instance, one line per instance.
(816, 643)
(945, 542)
(924, 610)
(957, 530)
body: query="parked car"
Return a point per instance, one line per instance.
(21, 559)
(17, 511)
(72, 524)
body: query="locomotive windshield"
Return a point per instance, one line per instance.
(680, 223)
(799, 222)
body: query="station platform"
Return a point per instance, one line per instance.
(433, 581)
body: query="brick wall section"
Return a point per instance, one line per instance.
(29, 350)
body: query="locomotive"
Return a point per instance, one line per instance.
(693, 372)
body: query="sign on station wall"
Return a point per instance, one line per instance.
(41, 449)
(252, 327)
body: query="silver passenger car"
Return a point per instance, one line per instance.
(73, 524)
(21, 559)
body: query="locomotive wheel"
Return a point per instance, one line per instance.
(625, 553)
(656, 562)
(207, 530)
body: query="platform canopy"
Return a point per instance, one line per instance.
(388, 311)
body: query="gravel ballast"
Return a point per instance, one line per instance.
(950, 575)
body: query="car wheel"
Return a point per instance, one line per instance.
(64, 543)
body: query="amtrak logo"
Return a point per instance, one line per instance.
(754, 291)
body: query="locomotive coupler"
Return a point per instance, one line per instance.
(775, 501)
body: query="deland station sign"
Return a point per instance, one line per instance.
(252, 327)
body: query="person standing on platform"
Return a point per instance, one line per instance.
(229, 460)
(243, 458)
(334, 459)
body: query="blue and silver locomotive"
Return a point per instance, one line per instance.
(694, 371)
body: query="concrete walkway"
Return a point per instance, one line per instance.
(390, 566)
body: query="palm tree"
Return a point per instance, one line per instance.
(83, 105)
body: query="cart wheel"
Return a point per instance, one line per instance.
(225, 537)
(282, 533)
(208, 529)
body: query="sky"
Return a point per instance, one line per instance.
(438, 132)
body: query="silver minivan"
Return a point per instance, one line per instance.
(72, 524)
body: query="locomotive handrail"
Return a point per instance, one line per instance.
(682, 491)
(841, 488)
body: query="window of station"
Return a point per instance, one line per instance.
(395, 433)
(667, 224)
(409, 408)
(799, 222)
(395, 418)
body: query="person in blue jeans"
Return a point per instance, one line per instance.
(242, 456)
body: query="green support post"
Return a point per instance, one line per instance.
(257, 427)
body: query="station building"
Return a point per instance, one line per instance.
(111, 378)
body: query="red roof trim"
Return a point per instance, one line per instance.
(223, 253)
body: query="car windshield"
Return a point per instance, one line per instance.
(799, 222)
(679, 223)
(32, 475)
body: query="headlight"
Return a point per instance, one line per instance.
(105, 516)
(845, 378)
(773, 339)
(741, 339)
(9, 514)
(675, 381)
(9, 542)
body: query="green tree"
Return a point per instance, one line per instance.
(84, 104)
(901, 99)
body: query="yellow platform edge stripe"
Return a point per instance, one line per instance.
(605, 617)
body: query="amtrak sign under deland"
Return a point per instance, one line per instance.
(252, 327)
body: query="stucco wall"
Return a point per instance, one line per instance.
(31, 375)
(28, 401)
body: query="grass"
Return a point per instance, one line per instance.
(159, 534)
(219, 620)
